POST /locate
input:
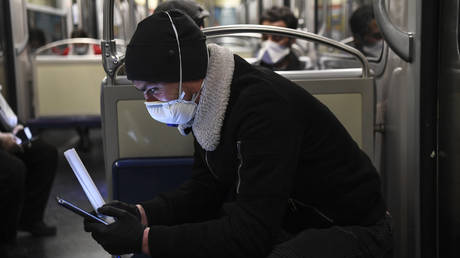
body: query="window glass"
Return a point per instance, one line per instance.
(351, 22)
(282, 53)
(328, 18)
(46, 26)
(348, 21)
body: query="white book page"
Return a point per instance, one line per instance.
(86, 182)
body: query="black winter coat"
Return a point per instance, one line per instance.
(284, 163)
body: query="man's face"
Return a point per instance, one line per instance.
(283, 41)
(158, 91)
(373, 35)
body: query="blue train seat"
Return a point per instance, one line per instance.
(140, 179)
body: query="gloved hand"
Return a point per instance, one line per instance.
(131, 208)
(123, 236)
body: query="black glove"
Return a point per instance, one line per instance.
(131, 208)
(123, 236)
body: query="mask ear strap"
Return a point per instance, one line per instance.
(180, 55)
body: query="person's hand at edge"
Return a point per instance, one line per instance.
(123, 236)
(8, 143)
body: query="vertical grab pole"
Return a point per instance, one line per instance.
(110, 59)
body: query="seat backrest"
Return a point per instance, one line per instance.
(129, 131)
(338, 62)
(67, 85)
(141, 179)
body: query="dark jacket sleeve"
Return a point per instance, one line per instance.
(198, 199)
(268, 150)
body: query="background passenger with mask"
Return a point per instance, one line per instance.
(366, 34)
(276, 52)
(83, 49)
(78, 48)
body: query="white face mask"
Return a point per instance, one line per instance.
(173, 112)
(178, 111)
(272, 52)
(80, 50)
(373, 50)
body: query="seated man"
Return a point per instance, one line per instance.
(77, 48)
(81, 48)
(26, 176)
(366, 34)
(275, 174)
(276, 52)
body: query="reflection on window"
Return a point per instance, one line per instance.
(46, 26)
(351, 22)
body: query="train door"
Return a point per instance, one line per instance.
(448, 176)
(398, 95)
(418, 176)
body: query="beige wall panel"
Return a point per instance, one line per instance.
(67, 87)
(141, 136)
(347, 108)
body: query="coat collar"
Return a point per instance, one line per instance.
(214, 97)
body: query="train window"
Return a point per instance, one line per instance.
(351, 22)
(46, 24)
(281, 53)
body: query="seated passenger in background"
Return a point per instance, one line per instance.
(26, 177)
(366, 34)
(275, 174)
(189, 7)
(83, 49)
(36, 38)
(276, 52)
(78, 48)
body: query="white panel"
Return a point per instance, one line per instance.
(67, 86)
(141, 136)
(347, 108)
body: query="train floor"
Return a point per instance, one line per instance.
(71, 240)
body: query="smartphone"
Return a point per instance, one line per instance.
(24, 137)
(79, 211)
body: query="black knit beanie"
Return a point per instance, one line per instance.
(153, 55)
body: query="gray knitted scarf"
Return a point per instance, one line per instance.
(214, 97)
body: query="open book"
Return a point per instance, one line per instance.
(86, 182)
